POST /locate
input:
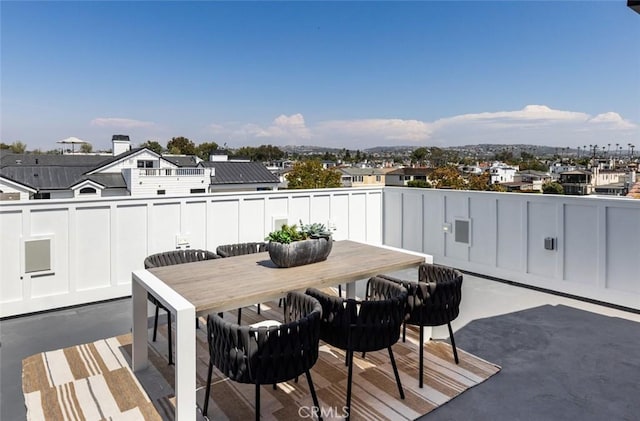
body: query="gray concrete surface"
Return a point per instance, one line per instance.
(566, 362)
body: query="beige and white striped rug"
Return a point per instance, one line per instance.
(94, 382)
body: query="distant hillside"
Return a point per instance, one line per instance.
(481, 150)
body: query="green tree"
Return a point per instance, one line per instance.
(552, 187)
(439, 157)
(18, 147)
(505, 156)
(419, 156)
(204, 150)
(263, 153)
(4, 146)
(534, 165)
(419, 183)
(310, 175)
(86, 148)
(181, 145)
(447, 177)
(329, 157)
(153, 146)
(478, 181)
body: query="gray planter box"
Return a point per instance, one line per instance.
(300, 253)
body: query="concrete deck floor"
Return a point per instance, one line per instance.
(482, 298)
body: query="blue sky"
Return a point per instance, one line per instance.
(339, 74)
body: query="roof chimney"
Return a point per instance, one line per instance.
(120, 144)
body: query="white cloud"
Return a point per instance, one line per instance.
(124, 123)
(533, 124)
(612, 119)
(387, 129)
(283, 127)
(531, 115)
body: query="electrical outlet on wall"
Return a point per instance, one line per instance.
(182, 241)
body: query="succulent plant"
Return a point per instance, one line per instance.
(290, 233)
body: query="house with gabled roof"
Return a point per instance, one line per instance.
(402, 176)
(129, 172)
(14, 190)
(359, 177)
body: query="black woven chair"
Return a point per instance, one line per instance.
(266, 355)
(240, 249)
(229, 250)
(363, 326)
(174, 257)
(433, 301)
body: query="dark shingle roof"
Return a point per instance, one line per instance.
(45, 177)
(13, 159)
(109, 180)
(240, 173)
(411, 171)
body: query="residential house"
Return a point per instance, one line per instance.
(576, 182)
(360, 177)
(502, 173)
(558, 168)
(402, 176)
(528, 181)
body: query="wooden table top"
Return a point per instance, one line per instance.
(225, 284)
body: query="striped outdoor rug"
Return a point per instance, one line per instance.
(94, 382)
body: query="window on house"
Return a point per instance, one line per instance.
(87, 190)
(142, 163)
(378, 178)
(161, 192)
(194, 191)
(40, 195)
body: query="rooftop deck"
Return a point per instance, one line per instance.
(561, 358)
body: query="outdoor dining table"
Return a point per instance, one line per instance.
(219, 285)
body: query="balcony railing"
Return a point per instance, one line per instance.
(171, 172)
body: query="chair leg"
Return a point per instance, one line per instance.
(197, 324)
(155, 322)
(395, 371)
(349, 379)
(169, 336)
(205, 407)
(453, 343)
(313, 394)
(340, 290)
(258, 309)
(404, 332)
(257, 402)
(239, 316)
(421, 344)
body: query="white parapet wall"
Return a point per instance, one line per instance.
(57, 253)
(585, 246)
